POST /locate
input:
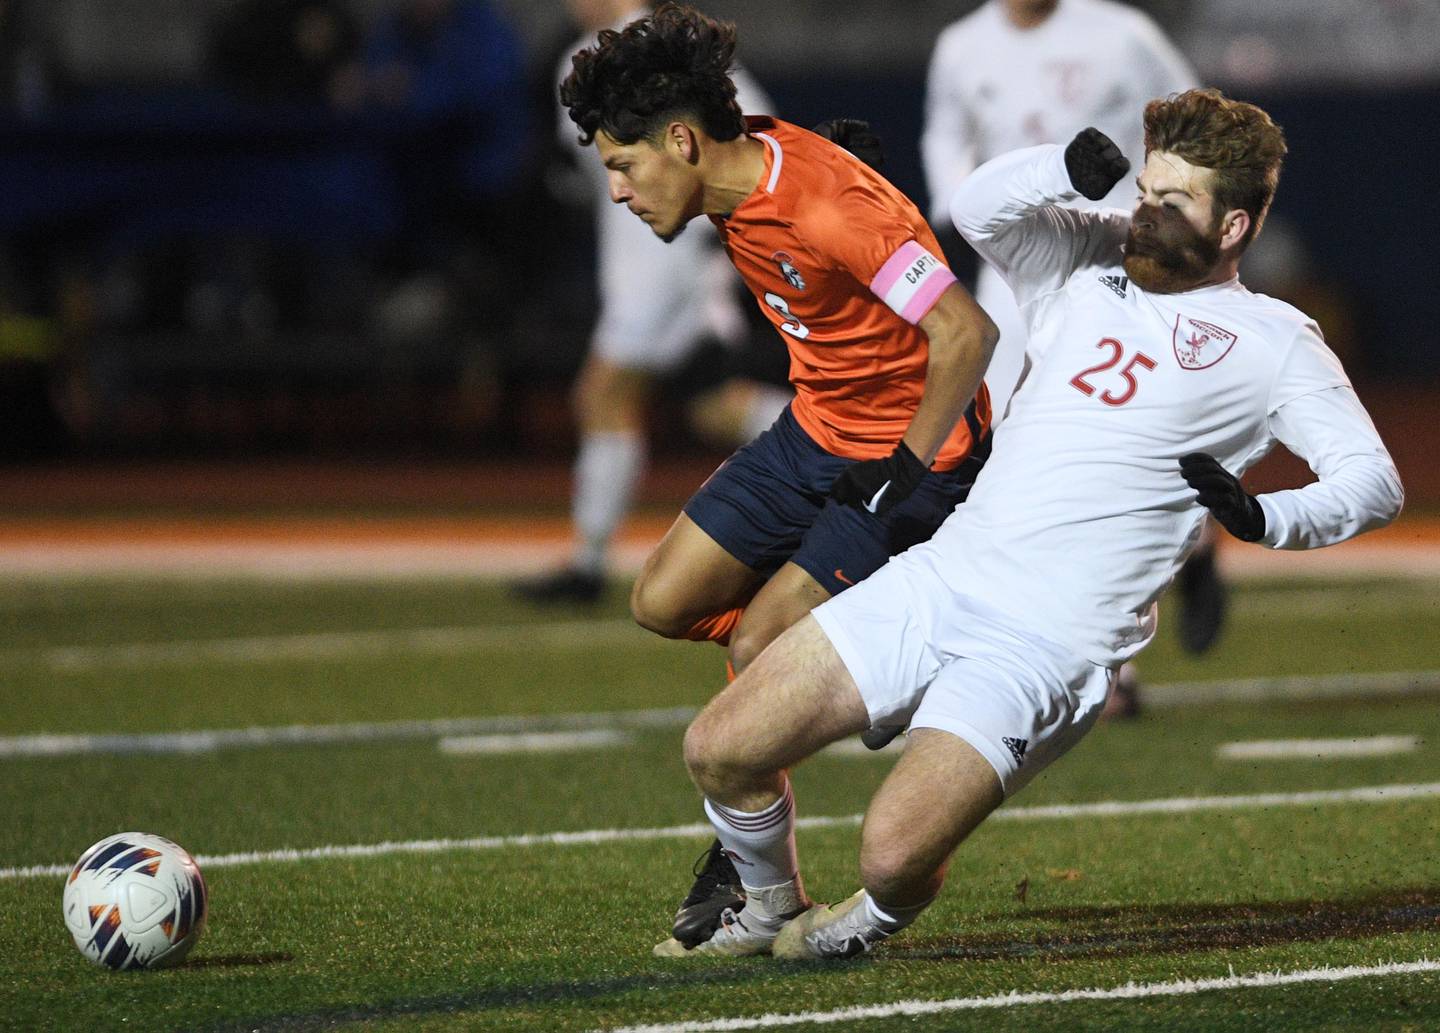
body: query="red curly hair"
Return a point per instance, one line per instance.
(1239, 142)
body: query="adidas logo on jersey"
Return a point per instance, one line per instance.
(1116, 283)
(1016, 747)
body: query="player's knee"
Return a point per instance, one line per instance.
(656, 608)
(746, 644)
(709, 763)
(892, 871)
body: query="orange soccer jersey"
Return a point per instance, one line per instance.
(845, 267)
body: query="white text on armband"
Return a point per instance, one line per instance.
(910, 281)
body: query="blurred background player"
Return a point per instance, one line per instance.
(1016, 73)
(658, 305)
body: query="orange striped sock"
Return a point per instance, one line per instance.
(718, 627)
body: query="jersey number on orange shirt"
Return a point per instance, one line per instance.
(793, 327)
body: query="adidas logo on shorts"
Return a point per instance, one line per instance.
(1016, 747)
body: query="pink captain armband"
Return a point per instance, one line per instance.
(911, 280)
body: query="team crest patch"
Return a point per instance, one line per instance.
(1198, 344)
(788, 270)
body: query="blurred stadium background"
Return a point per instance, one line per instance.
(219, 262)
(253, 324)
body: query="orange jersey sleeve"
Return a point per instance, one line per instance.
(844, 266)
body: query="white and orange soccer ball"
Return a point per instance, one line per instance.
(135, 900)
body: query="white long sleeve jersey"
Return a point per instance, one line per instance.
(1081, 518)
(993, 87)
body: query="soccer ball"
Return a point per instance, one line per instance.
(135, 901)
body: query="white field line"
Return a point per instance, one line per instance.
(567, 635)
(1374, 684)
(534, 742)
(1318, 749)
(1102, 809)
(1173, 694)
(1016, 999)
(208, 740)
(501, 558)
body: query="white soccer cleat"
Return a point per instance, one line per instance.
(737, 936)
(829, 932)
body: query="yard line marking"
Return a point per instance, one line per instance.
(1016, 999)
(1318, 749)
(1172, 694)
(1102, 809)
(533, 742)
(208, 740)
(582, 634)
(1302, 687)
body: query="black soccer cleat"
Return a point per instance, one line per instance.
(1203, 602)
(877, 737)
(567, 586)
(716, 889)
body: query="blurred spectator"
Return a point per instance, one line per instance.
(28, 69)
(455, 68)
(289, 50)
(447, 81)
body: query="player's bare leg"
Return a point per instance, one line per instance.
(790, 594)
(938, 792)
(794, 699)
(610, 403)
(688, 579)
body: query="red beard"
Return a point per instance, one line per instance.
(1165, 254)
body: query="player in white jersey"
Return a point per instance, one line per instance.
(1016, 73)
(1155, 379)
(658, 304)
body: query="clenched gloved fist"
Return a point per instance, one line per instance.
(1094, 163)
(855, 136)
(876, 485)
(1220, 492)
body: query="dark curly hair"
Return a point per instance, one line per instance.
(1239, 141)
(631, 83)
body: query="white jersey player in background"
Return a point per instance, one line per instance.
(658, 304)
(1016, 73)
(1155, 376)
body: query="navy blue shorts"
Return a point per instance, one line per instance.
(769, 504)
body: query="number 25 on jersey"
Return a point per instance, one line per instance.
(1117, 353)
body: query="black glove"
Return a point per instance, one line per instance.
(1221, 493)
(1094, 163)
(875, 485)
(855, 136)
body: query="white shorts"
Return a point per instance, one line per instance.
(926, 655)
(659, 301)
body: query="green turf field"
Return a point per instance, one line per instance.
(549, 933)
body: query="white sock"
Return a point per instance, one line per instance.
(761, 843)
(892, 919)
(606, 471)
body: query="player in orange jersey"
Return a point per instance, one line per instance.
(889, 422)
